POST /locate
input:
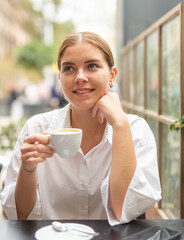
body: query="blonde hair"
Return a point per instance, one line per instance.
(91, 38)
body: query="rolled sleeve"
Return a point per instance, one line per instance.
(7, 196)
(8, 201)
(140, 196)
(9, 206)
(36, 212)
(144, 190)
(106, 203)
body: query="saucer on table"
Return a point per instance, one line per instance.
(48, 233)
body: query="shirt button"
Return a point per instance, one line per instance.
(82, 185)
(84, 207)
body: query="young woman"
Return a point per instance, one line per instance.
(113, 176)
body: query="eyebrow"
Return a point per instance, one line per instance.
(93, 60)
(67, 63)
(88, 61)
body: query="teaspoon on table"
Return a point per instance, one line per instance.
(61, 227)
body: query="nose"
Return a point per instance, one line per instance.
(80, 77)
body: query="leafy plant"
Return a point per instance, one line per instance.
(177, 125)
(34, 55)
(9, 134)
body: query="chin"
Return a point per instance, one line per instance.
(83, 106)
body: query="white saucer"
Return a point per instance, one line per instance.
(48, 233)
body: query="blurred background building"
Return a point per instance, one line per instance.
(133, 17)
(15, 26)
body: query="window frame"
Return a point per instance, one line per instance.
(157, 115)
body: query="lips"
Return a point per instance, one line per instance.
(83, 91)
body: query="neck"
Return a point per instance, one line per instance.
(83, 119)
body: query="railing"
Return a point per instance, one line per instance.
(152, 86)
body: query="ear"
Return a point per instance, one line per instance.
(59, 76)
(113, 76)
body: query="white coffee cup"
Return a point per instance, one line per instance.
(66, 141)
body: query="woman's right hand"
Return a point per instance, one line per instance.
(34, 150)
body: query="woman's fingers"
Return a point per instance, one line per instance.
(36, 147)
(38, 142)
(34, 161)
(34, 150)
(35, 155)
(100, 116)
(94, 110)
(108, 107)
(41, 138)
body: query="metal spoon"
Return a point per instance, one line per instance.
(61, 227)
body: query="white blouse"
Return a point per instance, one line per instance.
(77, 188)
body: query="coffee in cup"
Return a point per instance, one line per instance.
(66, 141)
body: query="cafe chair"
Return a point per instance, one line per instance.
(143, 216)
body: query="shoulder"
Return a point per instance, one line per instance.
(136, 121)
(140, 129)
(47, 116)
(49, 120)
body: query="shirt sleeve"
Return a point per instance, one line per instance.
(7, 196)
(144, 190)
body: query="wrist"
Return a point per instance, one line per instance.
(121, 123)
(28, 170)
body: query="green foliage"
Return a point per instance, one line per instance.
(9, 134)
(34, 55)
(61, 31)
(177, 125)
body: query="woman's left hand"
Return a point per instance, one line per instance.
(109, 107)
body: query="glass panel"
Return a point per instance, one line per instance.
(171, 68)
(170, 172)
(140, 115)
(131, 76)
(140, 74)
(153, 125)
(124, 79)
(152, 71)
(131, 111)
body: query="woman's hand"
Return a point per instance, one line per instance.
(109, 107)
(123, 162)
(34, 150)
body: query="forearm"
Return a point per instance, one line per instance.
(25, 193)
(123, 165)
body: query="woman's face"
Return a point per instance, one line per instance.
(84, 75)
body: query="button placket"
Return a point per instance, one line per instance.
(83, 189)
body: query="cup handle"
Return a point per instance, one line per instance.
(49, 136)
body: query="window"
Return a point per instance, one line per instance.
(151, 81)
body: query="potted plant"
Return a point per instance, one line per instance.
(177, 125)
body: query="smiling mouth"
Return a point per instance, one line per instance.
(83, 91)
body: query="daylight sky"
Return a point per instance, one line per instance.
(88, 15)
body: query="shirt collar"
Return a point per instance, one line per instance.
(62, 120)
(108, 132)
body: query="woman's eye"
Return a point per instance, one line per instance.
(92, 66)
(67, 69)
